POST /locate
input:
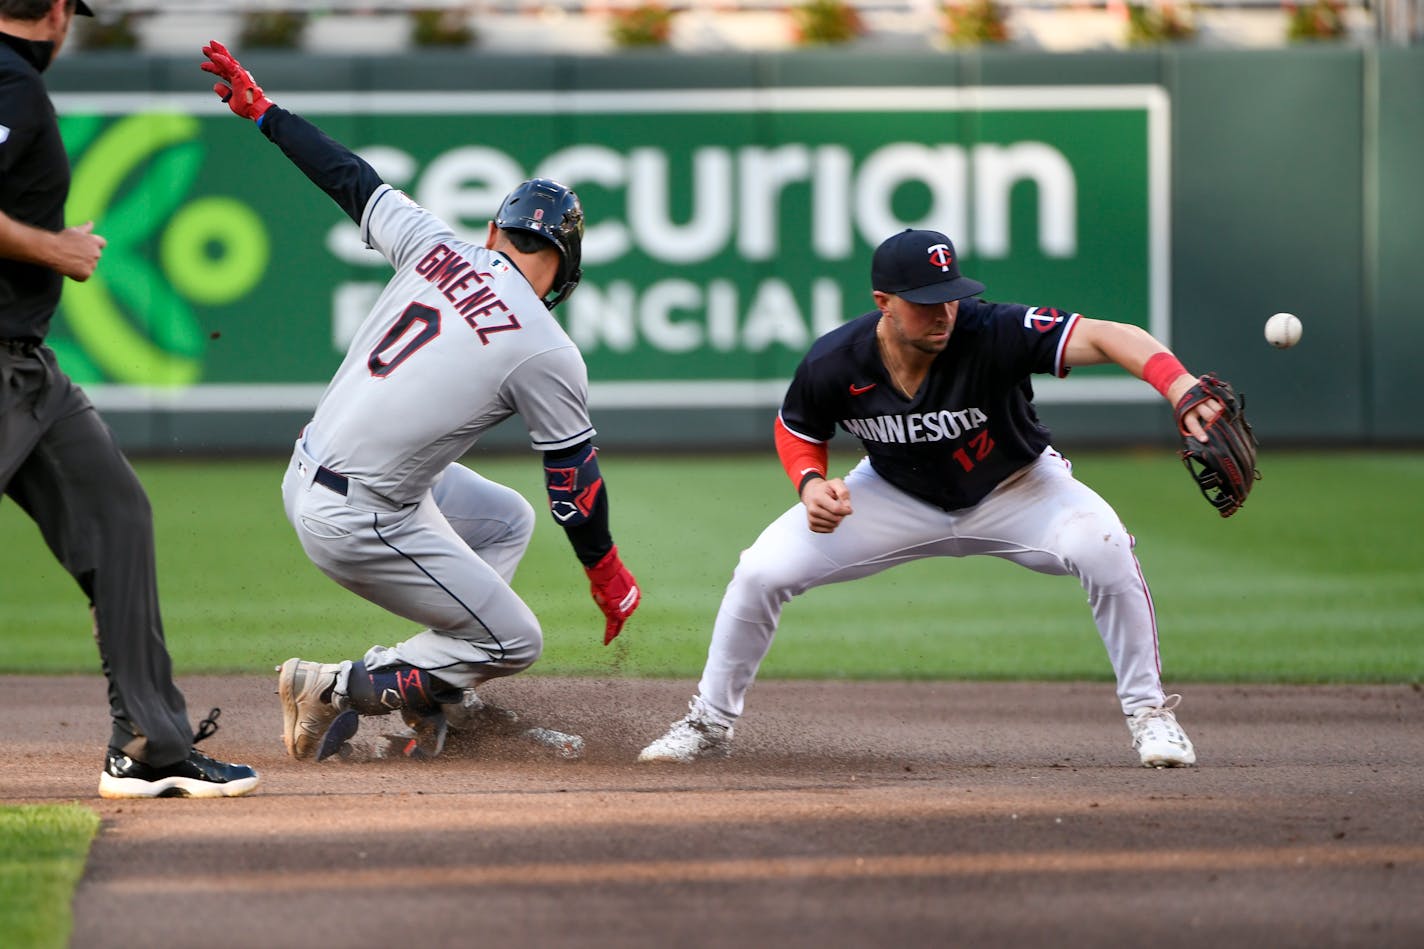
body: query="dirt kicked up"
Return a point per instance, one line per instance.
(851, 814)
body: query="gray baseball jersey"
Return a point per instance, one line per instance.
(457, 343)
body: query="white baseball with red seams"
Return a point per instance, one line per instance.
(1283, 330)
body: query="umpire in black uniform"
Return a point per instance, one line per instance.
(58, 460)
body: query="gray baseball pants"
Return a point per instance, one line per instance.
(444, 562)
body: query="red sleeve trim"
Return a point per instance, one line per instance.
(1060, 365)
(800, 457)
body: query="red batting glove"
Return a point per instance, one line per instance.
(615, 591)
(238, 89)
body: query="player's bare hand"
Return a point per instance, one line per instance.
(1196, 418)
(1193, 422)
(827, 504)
(77, 251)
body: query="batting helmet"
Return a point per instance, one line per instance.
(544, 207)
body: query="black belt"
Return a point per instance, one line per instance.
(331, 480)
(20, 347)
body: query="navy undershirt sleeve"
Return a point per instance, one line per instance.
(331, 166)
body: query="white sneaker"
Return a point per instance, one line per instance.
(695, 735)
(1158, 738)
(305, 716)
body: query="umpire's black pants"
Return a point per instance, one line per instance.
(58, 460)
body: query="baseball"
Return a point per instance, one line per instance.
(1283, 330)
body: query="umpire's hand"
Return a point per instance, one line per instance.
(76, 251)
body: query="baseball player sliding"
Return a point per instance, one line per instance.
(935, 384)
(461, 339)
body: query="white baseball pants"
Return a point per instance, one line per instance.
(1042, 518)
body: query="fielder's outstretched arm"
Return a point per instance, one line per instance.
(331, 166)
(1101, 341)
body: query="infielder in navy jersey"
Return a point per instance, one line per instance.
(935, 384)
(461, 339)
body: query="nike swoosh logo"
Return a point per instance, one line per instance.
(860, 390)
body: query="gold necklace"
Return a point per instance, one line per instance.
(893, 364)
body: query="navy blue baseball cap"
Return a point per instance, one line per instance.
(82, 9)
(921, 267)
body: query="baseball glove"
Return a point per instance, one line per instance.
(1224, 466)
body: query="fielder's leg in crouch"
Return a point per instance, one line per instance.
(1043, 519)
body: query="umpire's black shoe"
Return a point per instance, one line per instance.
(195, 776)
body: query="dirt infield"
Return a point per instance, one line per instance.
(853, 814)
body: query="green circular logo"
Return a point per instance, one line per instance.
(214, 250)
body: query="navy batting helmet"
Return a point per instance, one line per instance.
(543, 206)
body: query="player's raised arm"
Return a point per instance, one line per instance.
(578, 500)
(333, 167)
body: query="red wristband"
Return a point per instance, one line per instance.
(1161, 371)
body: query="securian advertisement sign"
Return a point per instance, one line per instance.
(725, 229)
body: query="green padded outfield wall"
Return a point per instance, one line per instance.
(1394, 346)
(732, 205)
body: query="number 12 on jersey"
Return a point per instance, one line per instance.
(982, 445)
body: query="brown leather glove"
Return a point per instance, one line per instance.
(1224, 466)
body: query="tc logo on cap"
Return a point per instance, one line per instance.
(941, 257)
(920, 266)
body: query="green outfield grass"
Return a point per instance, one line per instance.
(1319, 579)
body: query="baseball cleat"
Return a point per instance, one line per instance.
(696, 735)
(1158, 738)
(195, 776)
(306, 715)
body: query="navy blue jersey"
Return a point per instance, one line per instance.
(34, 183)
(971, 425)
